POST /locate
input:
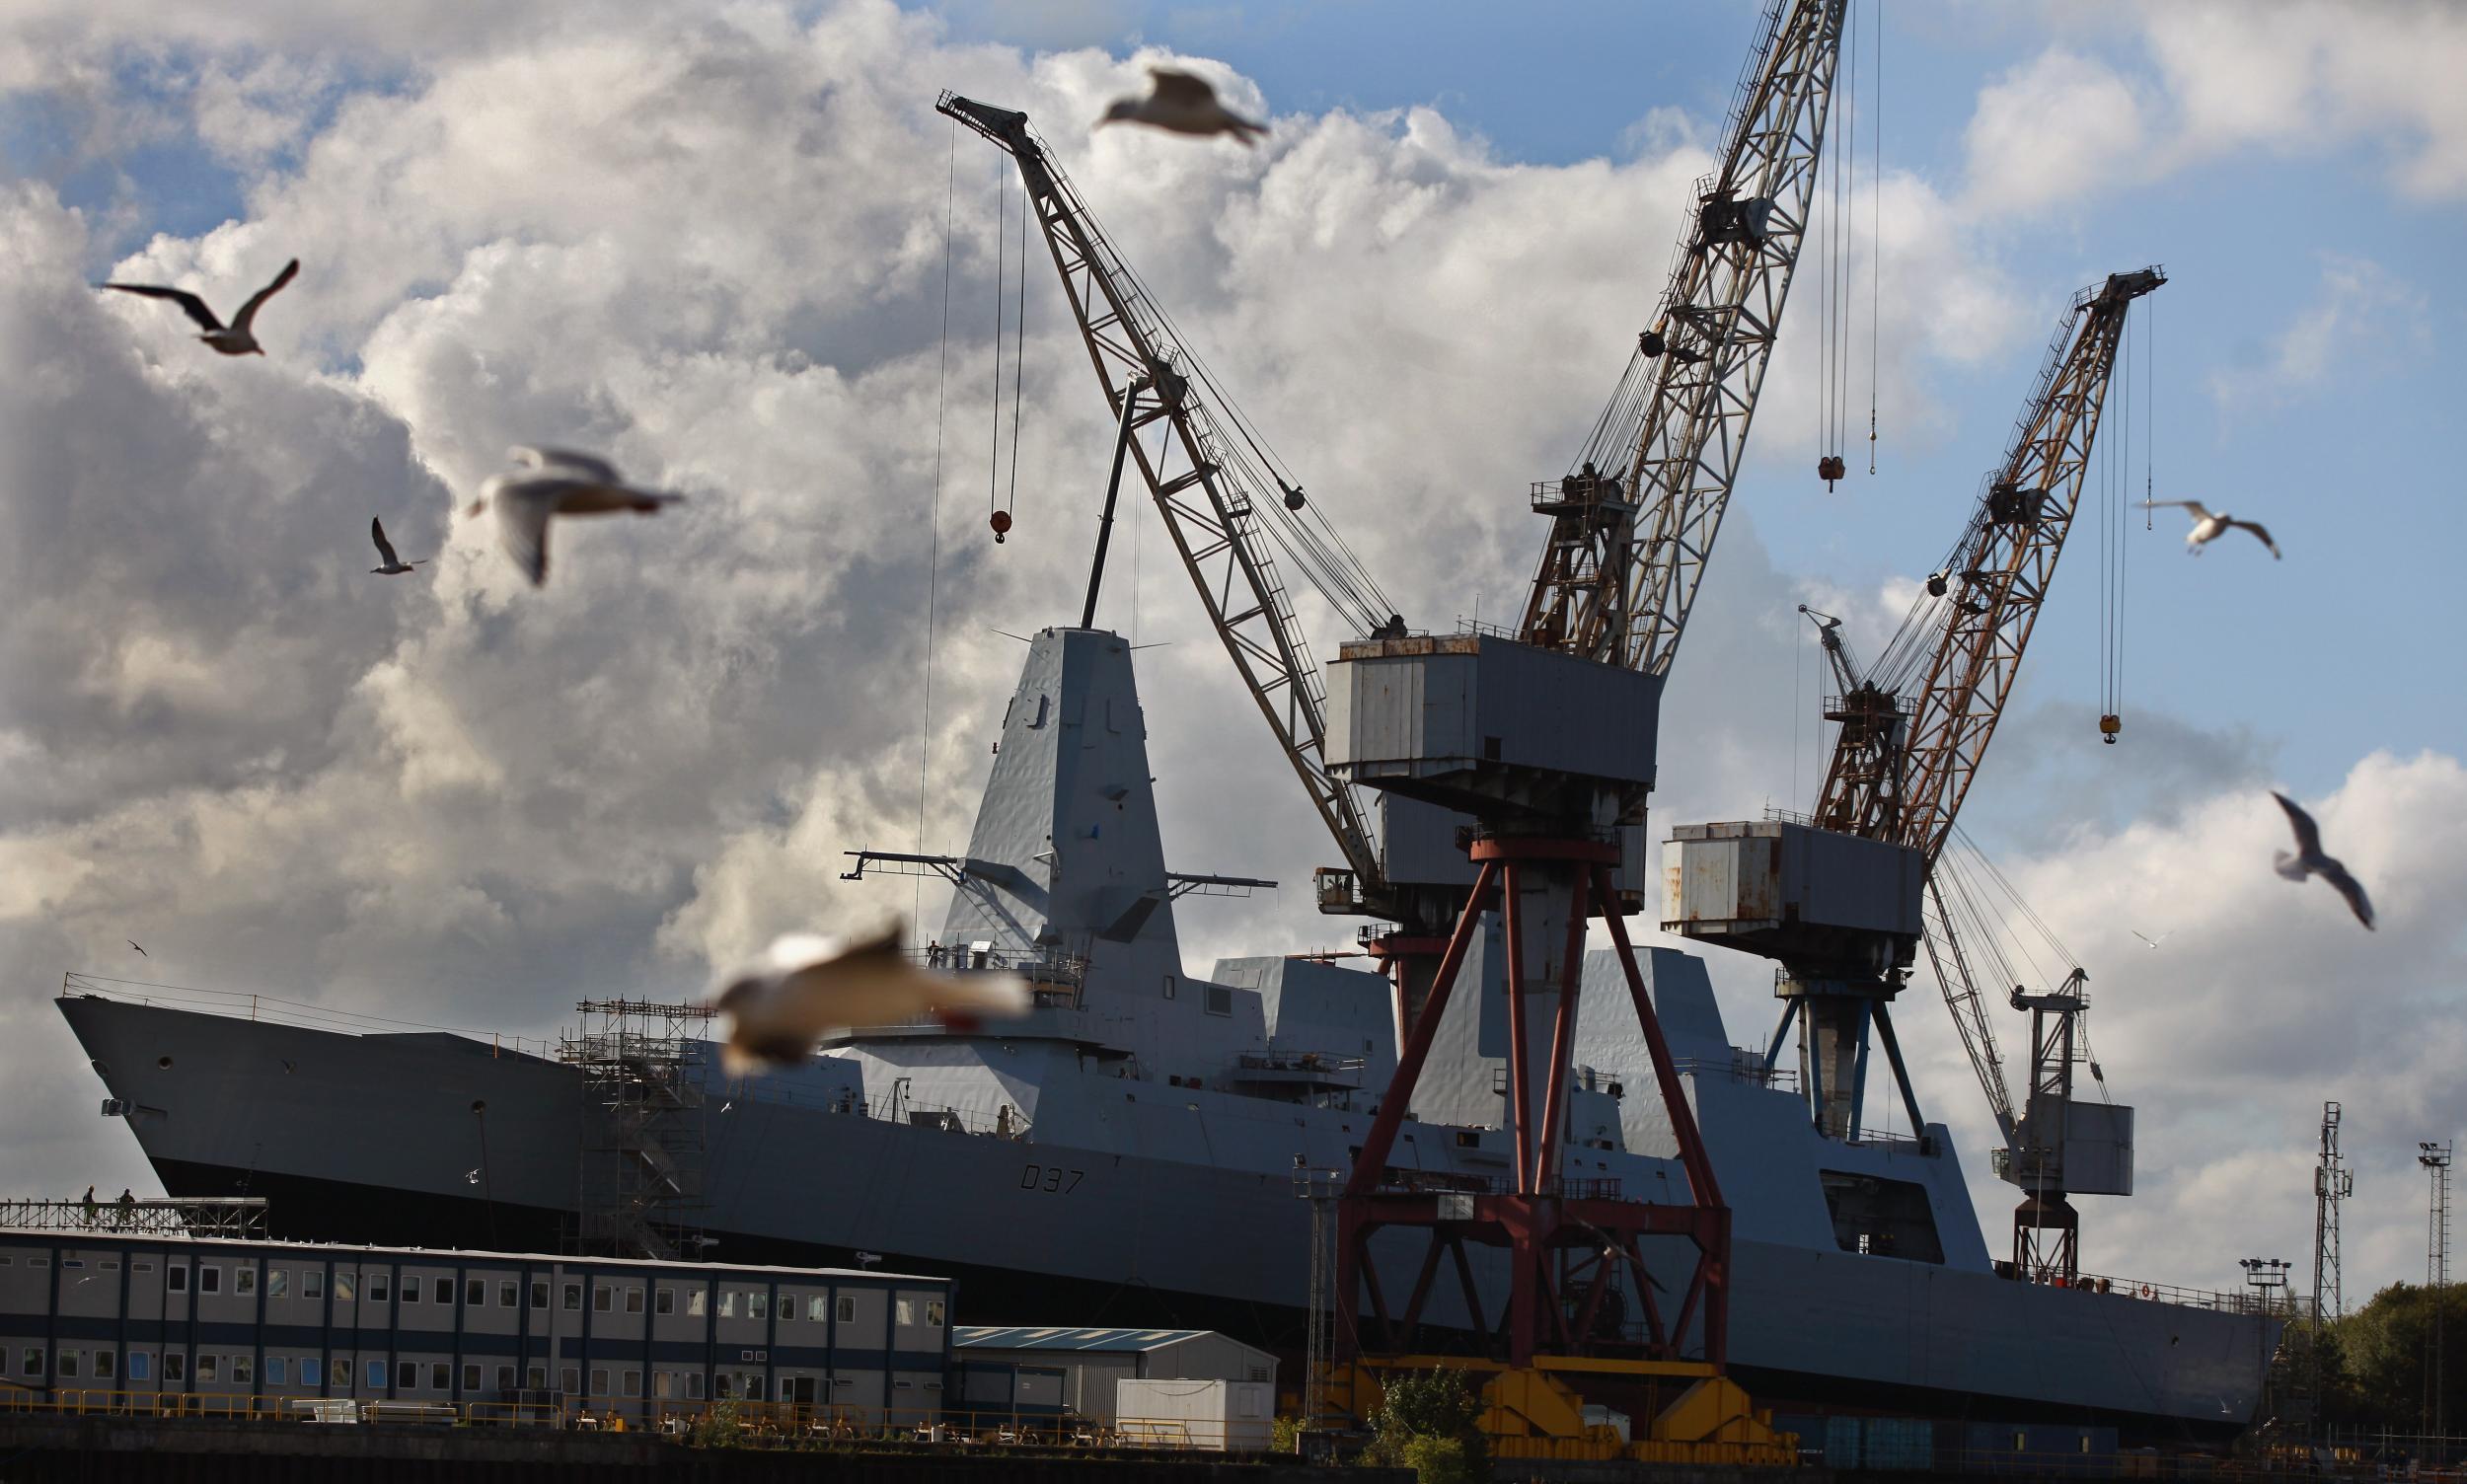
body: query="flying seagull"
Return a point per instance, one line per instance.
(141, 953)
(235, 339)
(555, 481)
(385, 549)
(2208, 527)
(1183, 103)
(806, 987)
(471, 1177)
(2308, 860)
(2152, 941)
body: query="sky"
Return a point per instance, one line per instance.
(709, 240)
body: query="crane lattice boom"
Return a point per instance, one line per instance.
(1633, 526)
(1903, 778)
(1201, 476)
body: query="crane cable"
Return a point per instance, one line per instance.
(993, 463)
(934, 538)
(1875, 244)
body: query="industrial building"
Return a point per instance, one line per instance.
(1077, 1370)
(138, 1316)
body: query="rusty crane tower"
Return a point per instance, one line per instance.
(1844, 899)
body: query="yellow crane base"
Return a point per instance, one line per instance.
(1534, 1412)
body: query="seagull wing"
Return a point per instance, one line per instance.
(2307, 833)
(2200, 511)
(2255, 528)
(522, 523)
(566, 459)
(2357, 902)
(1185, 90)
(247, 311)
(132, 943)
(384, 548)
(185, 300)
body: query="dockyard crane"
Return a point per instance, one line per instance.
(1844, 898)
(1544, 743)
(1225, 504)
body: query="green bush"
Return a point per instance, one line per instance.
(1445, 1460)
(716, 1428)
(1284, 1436)
(1430, 1422)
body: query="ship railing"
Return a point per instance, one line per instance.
(2277, 1303)
(1309, 1061)
(1005, 1122)
(201, 1216)
(1444, 1182)
(273, 1010)
(1744, 1064)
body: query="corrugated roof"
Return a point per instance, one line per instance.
(1050, 1337)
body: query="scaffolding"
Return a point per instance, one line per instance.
(2435, 1158)
(641, 1182)
(179, 1216)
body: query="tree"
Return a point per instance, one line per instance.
(1431, 1422)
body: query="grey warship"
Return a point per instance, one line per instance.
(1125, 1155)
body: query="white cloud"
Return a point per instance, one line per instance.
(2050, 130)
(2289, 77)
(2364, 321)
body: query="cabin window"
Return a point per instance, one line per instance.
(599, 1382)
(573, 1298)
(105, 1364)
(788, 1307)
(244, 1279)
(140, 1366)
(634, 1300)
(536, 1377)
(665, 1301)
(175, 1368)
(728, 1303)
(277, 1283)
(376, 1371)
(848, 1308)
(817, 1307)
(1220, 999)
(207, 1367)
(694, 1303)
(663, 1383)
(441, 1289)
(907, 1312)
(209, 1279)
(471, 1376)
(505, 1290)
(475, 1293)
(410, 1291)
(135, 1267)
(634, 1384)
(68, 1365)
(757, 1305)
(934, 1318)
(110, 1265)
(311, 1283)
(504, 1379)
(313, 1371)
(568, 1380)
(277, 1370)
(346, 1284)
(243, 1370)
(1168, 987)
(538, 1292)
(601, 1295)
(694, 1386)
(175, 1278)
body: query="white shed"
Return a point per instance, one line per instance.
(1094, 1361)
